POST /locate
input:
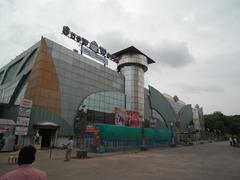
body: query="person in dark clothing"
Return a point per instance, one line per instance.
(2, 141)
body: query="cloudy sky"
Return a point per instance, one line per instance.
(195, 43)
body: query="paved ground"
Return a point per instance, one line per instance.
(203, 161)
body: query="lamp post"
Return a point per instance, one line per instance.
(172, 143)
(190, 138)
(143, 145)
(80, 127)
(207, 134)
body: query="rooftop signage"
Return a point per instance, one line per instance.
(91, 49)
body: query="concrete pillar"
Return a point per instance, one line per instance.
(133, 66)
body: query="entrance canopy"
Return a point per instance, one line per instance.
(46, 125)
(8, 122)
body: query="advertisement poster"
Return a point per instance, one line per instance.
(20, 130)
(24, 112)
(23, 121)
(134, 118)
(120, 117)
(127, 118)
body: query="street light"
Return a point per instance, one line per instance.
(172, 143)
(143, 145)
(80, 128)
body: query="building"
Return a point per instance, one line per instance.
(198, 121)
(60, 83)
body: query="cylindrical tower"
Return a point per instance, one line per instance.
(132, 63)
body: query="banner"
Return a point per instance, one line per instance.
(21, 130)
(134, 118)
(120, 116)
(94, 55)
(23, 118)
(23, 121)
(127, 118)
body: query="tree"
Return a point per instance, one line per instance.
(235, 127)
(226, 124)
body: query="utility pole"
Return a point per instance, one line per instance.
(172, 143)
(143, 145)
(80, 127)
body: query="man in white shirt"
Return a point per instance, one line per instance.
(69, 149)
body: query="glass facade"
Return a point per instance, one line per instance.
(28, 61)
(79, 77)
(100, 106)
(61, 79)
(160, 123)
(104, 101)
(21, 94)
(1, 75)
(11, 72)
(6, 93)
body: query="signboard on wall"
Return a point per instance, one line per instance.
(91, 49)
(24, 112)
(94, 55)
(21, 130)
(127, 118)
(134, 118)
(26, 103)
(91, 128)
(23, 121)
(23, 118)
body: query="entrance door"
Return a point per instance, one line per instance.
(46, 137)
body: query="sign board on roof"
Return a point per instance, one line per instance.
(23, 119)
(94, 55)
(92, 49)
(26, 103)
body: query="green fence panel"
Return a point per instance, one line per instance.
(114, 132)
(158, 134)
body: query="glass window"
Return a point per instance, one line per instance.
(21, 94)
(1, 75)
(11, 71)
(28, 60)
(160, 122)
(105, 101)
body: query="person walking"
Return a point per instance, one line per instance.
(26, 171)
(69, 149)
(2, 141)
(235, 142)
(230, 141)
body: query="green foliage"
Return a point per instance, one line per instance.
(219, 121)
(234, 127)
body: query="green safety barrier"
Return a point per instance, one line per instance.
(115, 132)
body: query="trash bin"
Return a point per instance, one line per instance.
(81, 154)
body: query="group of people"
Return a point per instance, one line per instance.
(234, 141)
(26, 170)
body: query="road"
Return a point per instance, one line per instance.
(204, 161)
